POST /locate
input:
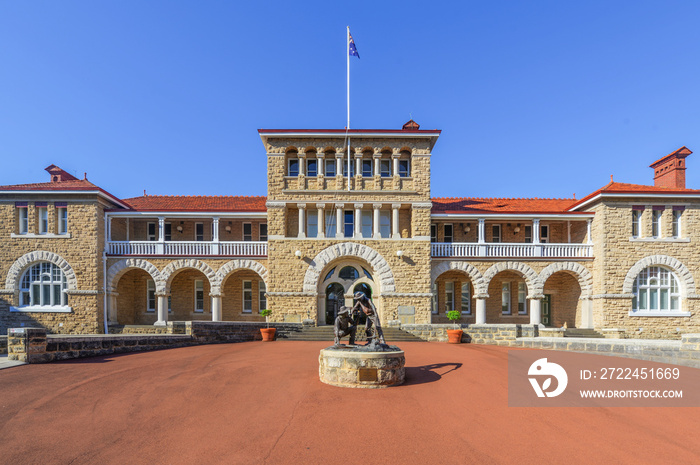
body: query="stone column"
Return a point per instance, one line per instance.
(395, 233)
(395, 164)
(215, 235)
(358, 221)
(536, 231)
(482, 230)
(480, 310)
(376, 158)
(215, 307)
(339, 164)
(358, 163)
(375, 223)
(162, 310)
(302, 164)
(588, 231)
(321, 163)
(160, 247)
(339, 226)
(109, 228)
(302, 220)
(321, 220)
(536, 310)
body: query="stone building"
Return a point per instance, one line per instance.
(76, 259)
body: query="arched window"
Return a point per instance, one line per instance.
(349, 273)
(656, 289)
(43, 285)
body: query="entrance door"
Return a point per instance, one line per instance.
(335, 298)
(547, 310)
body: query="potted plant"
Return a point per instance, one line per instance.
(454, 336)
(268, 334)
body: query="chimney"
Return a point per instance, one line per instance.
(410, 126)
(669, 171)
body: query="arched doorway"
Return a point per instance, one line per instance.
(341, 280)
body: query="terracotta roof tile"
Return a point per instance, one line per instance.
(71, 185)
(209, 203)
(625, 188)
(467, 205)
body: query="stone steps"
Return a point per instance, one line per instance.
(325, 333)
(580, 332)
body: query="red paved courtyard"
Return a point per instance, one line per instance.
(263, 403)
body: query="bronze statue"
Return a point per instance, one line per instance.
(343, 326)
(366, 305)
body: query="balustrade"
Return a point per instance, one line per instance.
(475, 250)
(188, 248)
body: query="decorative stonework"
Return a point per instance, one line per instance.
(480, 285)
(175, 267)
(580, 272)
(381, 268)
(229, 267)
(28, 259)
(684, 275)
(531, 278)
(116, 271)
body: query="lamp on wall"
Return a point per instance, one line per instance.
(179, 228)
(517, 229)
(467, 228)
(297, 253)
(399, 253)
(228, 228)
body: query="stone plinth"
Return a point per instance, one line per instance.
(357, 367)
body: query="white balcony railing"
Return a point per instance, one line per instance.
(188, 248)
(475, 250)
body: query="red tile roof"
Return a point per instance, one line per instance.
(72, 185)
(209, 203)
(624, 188)
(475, 206)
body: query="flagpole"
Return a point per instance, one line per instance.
(347, 130)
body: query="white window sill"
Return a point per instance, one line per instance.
(40, 236)
(660, 239)
(662, 313)
(41, 309)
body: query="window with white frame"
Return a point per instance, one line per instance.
(448, 233)
(367, 224)
(152, 232)
(262, 300)
(312, 167)
(433, 233)
(367, 168)
(466, 299)
(655, 222)
(43, 218)
(404, 168)
(330, 168)
(385, 168)
(168, 231)
(495, 233)
(330, 223)
(262, 232)
(449, 296)
(198, 295)
(544, 234)
(293, 167)
(247, 231)
(62, 219)
(505, 298)
(150, 296)
(345, 168)
(349, 226)
(636, 222)
(312, 223)
(656, 289)
(522, 299)
(528, 234)
(43, 285)
(247, 296)
(676, 222)
(23, 219)
(199, 231)
(385, 224)
(434, 299)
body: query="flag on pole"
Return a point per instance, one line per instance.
(352, 49)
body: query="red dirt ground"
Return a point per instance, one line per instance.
(263, 403)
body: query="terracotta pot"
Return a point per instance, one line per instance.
(268, 334)
(454, 336)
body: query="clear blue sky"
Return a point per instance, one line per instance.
(535, 99)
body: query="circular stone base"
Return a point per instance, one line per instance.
(346, 366)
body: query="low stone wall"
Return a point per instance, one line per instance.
(3, 345)
(498, 334)
(138, 329)
(684, 352)
(432, 332)
(33, 345)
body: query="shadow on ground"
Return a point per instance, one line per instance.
(428, 373)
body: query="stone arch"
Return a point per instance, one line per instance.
(480, 286)
(117, 270)
(685, 277)
(28, 259)
(531, 279)
(382, 271)
(578, 271)
(229, 267)
(291, 149)
(406, 149)
(175, 267)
